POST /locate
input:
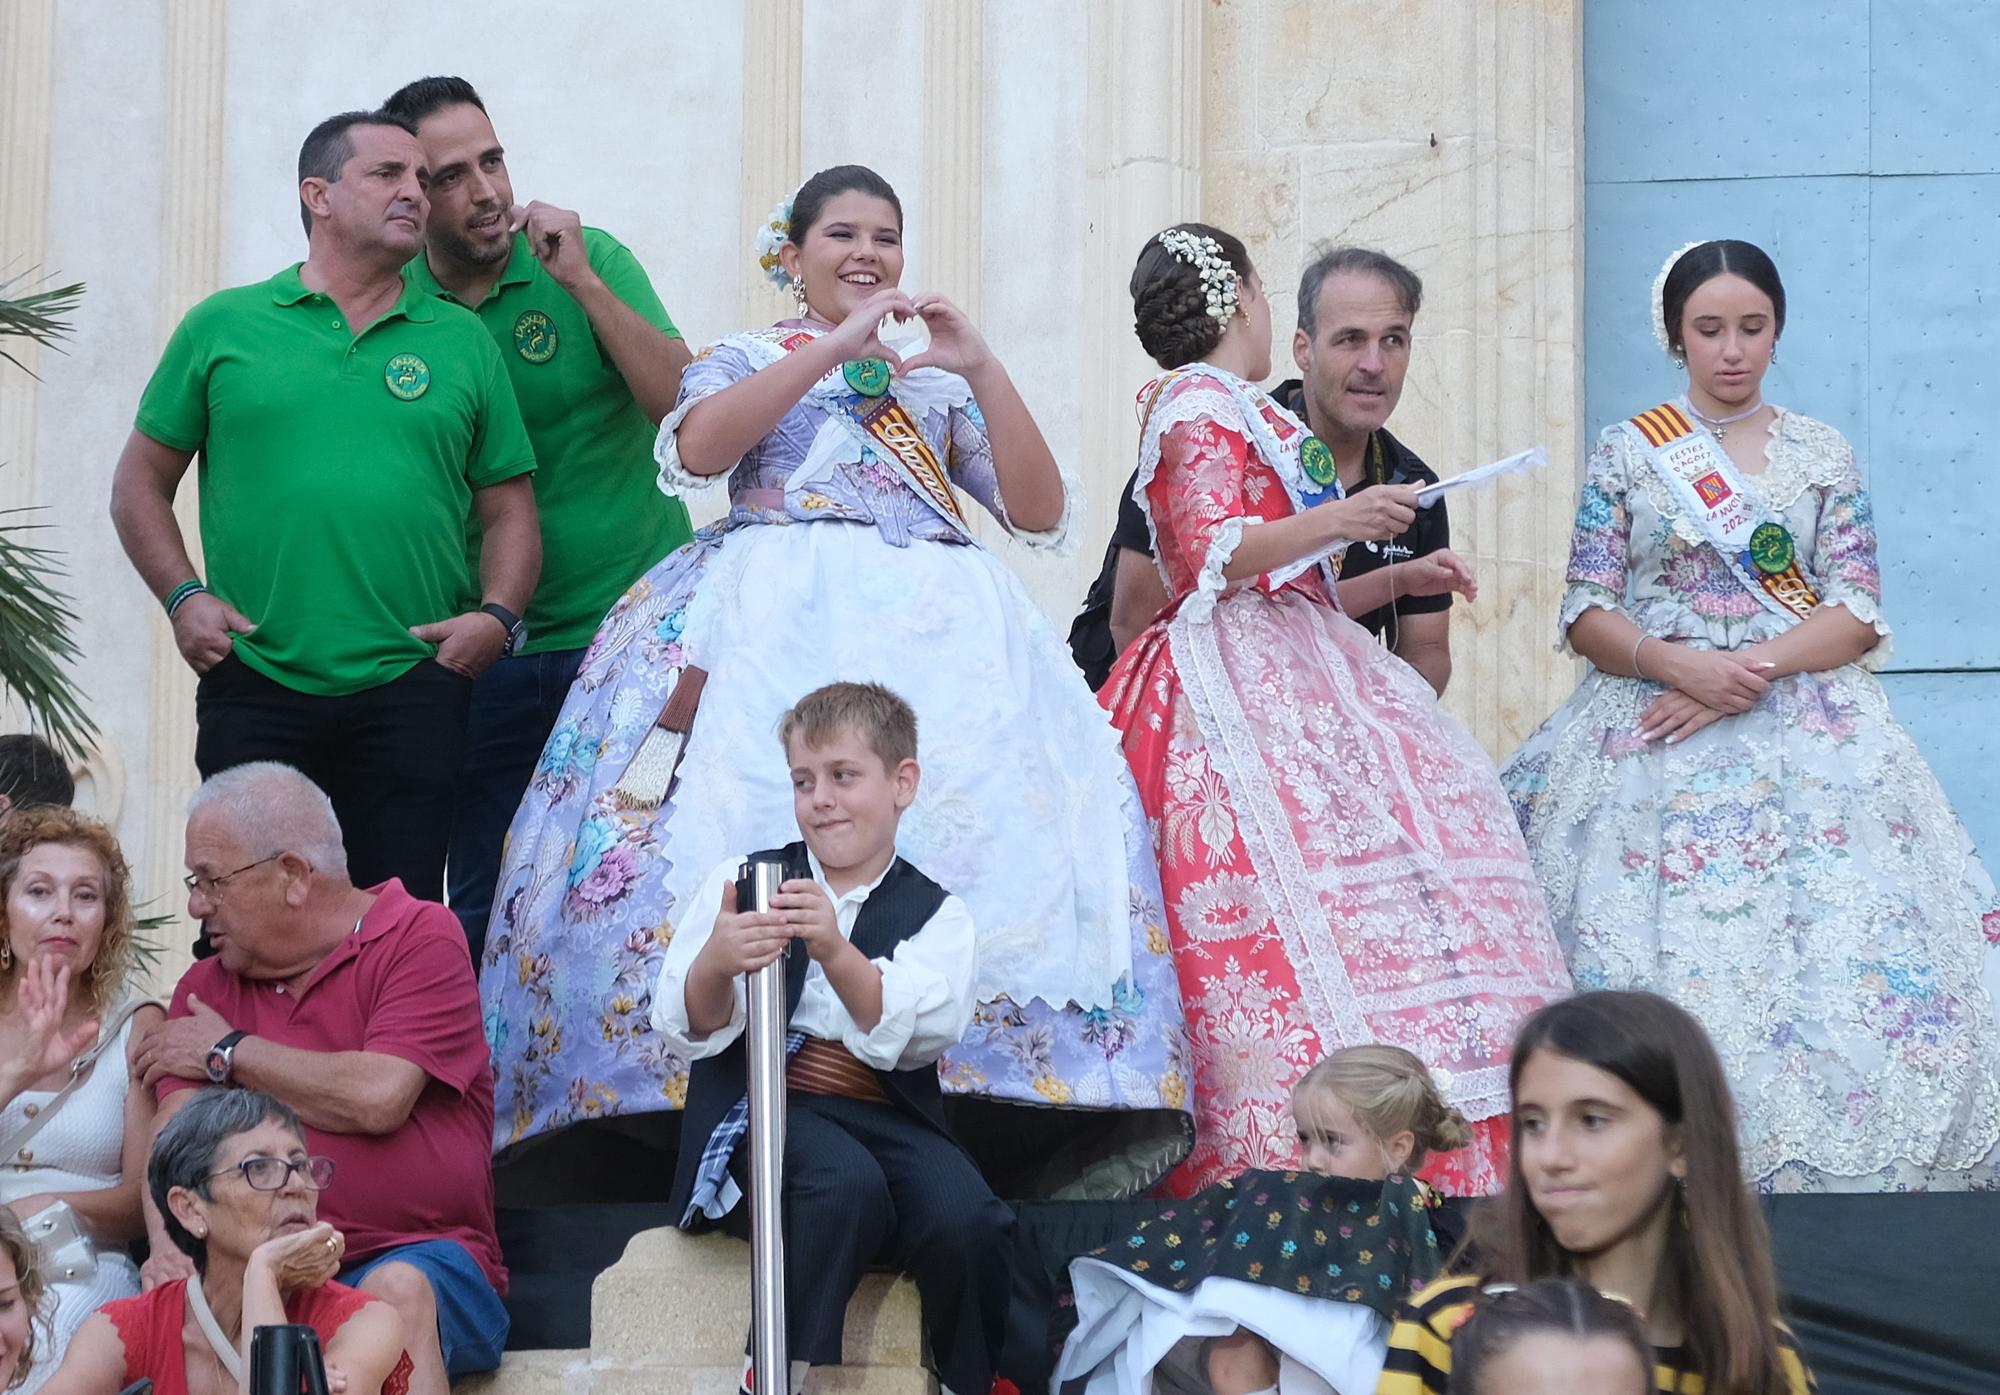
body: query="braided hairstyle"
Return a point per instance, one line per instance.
(1389, 1090)
(1169, 305)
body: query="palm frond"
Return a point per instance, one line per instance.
(41, 316)
(37, 635)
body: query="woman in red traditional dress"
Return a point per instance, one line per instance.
(1340, 864)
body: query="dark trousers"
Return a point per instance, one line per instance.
(867, 1184)
(514, 708)
(387, 757)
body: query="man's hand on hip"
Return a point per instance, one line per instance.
(205, 626)
(468, 643)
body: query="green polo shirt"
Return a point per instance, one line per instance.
(337, 470)
(604, 520)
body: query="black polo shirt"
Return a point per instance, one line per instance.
(1090, 634)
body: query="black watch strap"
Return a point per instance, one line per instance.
(516, 630)
(223, 1052)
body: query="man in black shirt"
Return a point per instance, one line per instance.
(1356, 308)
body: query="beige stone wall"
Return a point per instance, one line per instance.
(148, 151)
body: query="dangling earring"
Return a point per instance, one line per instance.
(799, 295)
(6, 957)
(1774, 353)
(1680, 362)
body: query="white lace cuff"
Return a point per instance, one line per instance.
(1580, 597)
(1211, 583)
(675, 477)
(1057, 541)
(1868, 611)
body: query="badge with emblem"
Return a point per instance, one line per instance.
(867, 376)
(1771, 548)
(535, 336)
(408, 376)
(1316, 458)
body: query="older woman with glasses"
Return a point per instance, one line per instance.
(239, 1195)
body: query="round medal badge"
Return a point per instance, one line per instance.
(1316, 459)
(1771, 548)
(535, 336)
(867, 376)
(408, 376)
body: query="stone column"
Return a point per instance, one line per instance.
(1444, 133)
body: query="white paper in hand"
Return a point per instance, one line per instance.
(1534, 457)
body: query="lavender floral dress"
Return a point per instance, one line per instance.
(830, 567)
(1793, 876)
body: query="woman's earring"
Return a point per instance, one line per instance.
(1680, 362)
(6, 956)
(799, 295)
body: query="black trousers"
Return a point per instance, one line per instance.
(867, 1184)
(388, 758)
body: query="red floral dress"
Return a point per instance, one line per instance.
(1339, 862)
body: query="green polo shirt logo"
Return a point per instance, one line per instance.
(535, 336)
(408, 376)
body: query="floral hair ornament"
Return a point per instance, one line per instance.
(1659, 309)
(774, 232)
(1441, 1082)
(1204, 254)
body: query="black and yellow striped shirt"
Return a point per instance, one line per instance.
(1419, 1360)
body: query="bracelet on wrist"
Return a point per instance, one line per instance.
(182, 594)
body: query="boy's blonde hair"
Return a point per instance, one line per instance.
(1388, 1090)
(881, 719)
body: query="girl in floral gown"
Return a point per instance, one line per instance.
(844, 556)
(1726, 812)
(1339, 863)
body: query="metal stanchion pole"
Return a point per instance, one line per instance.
(765, 1037)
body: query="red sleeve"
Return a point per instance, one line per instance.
(423, 1002)
(1198, 494)
(149, 1328)
(326, 1310)
(177, 1007)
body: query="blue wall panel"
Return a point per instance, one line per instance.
(1934, 414)
(1935, 108)
(1721, 89)
(1817, 231)
(1859, 143)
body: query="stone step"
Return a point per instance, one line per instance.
(682, 1302)
(531, 1373)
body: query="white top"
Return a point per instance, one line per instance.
(927, 995)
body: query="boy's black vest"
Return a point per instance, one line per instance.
(896, 909)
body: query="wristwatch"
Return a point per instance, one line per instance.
(220, 1057)
(517, 629)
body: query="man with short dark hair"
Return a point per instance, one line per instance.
(1356, 309)
(348, 425)
(32, 772)
(357, 1007)
(596, 364)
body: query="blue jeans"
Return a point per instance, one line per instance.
(515, 704)
(472, 1321)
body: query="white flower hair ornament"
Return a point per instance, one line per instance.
(1441, 1082)
(1658, 309)
(774, 232)
(1204, 254)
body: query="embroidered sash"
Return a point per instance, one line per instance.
(1759, 549)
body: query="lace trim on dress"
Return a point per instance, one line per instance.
(1206, 393)
(761, 348)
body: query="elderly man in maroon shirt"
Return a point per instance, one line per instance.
(358, 1008)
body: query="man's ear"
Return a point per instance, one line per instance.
(312, 193)
(298, 878)
(906, 777)
(1302, 351)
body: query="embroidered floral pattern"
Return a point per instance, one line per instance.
(1336, 853)
(1794, 875)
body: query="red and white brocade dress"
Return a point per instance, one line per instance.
(1339, 862)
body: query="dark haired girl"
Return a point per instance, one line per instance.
(847, 554)
(1625, 1174)
(1338, 858)
(1552, 1334)
(1726, 811)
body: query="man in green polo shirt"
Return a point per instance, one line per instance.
(348, 424)
(596, 364)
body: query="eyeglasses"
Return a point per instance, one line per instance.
(271, 1174)
(211, 887)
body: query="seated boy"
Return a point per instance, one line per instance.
(879, 972)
